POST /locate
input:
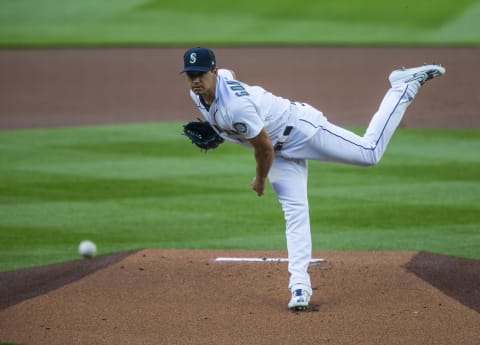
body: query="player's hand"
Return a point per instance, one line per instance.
(258, 186)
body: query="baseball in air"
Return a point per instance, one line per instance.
(87, 249)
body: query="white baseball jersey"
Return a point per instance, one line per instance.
(240, 111)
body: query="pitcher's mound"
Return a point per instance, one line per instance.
(159, 296)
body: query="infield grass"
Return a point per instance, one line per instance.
(144, 185)
(187, 22)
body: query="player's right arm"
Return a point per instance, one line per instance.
(264, 154)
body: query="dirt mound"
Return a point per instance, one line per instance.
(160, 296)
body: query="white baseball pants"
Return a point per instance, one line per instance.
(288, 175)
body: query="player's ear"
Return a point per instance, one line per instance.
(215, 70)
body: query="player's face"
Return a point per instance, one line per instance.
(202, 83)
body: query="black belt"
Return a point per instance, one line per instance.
(278, 146)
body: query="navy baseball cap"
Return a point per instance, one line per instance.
(198, 59)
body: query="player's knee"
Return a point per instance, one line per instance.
(371, 159)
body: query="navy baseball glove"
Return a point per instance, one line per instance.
(202, 134)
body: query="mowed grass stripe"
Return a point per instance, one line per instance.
(153, 22)
(145, 185)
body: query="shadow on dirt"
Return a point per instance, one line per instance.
(19, 285)
(457, 277)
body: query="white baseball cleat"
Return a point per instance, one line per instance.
(416, 74)
(300, 299)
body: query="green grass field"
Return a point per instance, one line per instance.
(167, 22)
(133, 186)
(144, 185)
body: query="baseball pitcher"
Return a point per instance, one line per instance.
(284, 135)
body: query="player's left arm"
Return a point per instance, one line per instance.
(264, 154)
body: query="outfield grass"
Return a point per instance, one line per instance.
(187, 22)
(136, 186)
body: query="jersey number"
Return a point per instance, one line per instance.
(235, 86)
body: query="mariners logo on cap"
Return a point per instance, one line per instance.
(198, 59)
